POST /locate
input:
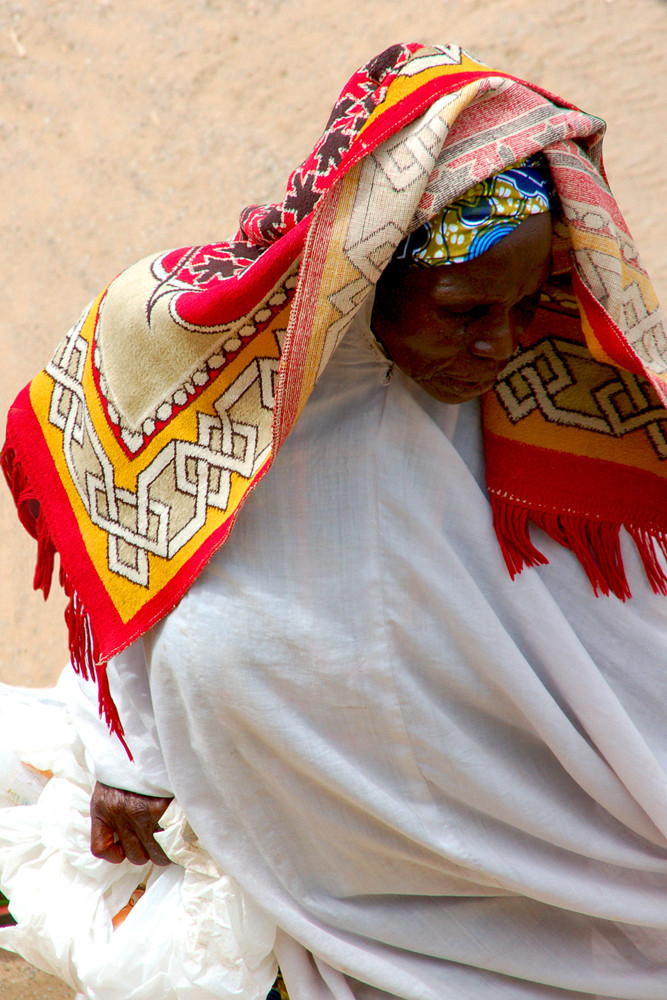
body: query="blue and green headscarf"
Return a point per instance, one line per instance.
(481, 217)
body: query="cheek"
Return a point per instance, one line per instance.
(433, 340)
(417, 336)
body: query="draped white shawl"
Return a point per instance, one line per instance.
(440, 782)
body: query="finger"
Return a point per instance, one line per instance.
(145, 826)
(103, 843)
(156, 854)
(132, 820)
(132, 845)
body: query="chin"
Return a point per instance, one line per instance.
(456, 392)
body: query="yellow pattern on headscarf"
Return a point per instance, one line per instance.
(482, 216)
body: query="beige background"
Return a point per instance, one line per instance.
(129, 126)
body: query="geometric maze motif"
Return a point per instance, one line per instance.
(387, 198)
(568, 387)
(184, 479)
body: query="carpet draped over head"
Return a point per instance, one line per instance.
(132, 452)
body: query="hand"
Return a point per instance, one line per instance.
(123, 824)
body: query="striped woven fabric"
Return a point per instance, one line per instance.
(132, 452)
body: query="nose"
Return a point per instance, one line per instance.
(496, 338)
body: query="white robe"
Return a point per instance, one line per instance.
(440, 782)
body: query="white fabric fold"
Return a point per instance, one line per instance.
(437, 781)
(106, 757)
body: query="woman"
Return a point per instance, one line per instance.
(440, 780)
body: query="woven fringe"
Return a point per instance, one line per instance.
(596, 545)
(646, 542)
(83, 645)
(46, 553)
(85, 659)
(511, 526)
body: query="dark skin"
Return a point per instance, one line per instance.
(451, 329)
(123, 825)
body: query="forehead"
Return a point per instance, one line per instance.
(514, 267)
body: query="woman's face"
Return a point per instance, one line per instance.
(453, 328)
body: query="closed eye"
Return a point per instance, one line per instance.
(470, 313)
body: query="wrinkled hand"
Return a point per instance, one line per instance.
(123, 824)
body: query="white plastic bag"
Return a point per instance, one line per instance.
(33, 721)
(192, 935)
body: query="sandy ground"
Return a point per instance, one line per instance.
(20, 981)
(127, 127)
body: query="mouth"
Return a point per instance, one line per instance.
(456, 386)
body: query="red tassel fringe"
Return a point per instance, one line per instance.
(46, 553)
(511, 525)
(646, 542)
(83, 645)
(84, 652)
(596, 545)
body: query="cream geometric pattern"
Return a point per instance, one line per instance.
(545, 376)
(175, 490)
(228, 341)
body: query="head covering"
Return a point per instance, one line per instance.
(132, 452)
(481, 217)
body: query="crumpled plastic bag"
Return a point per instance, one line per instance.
(34, 724)
(192, 934)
